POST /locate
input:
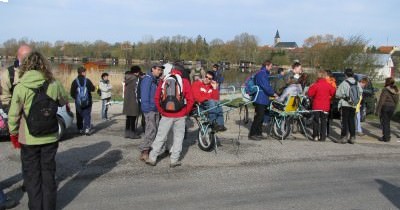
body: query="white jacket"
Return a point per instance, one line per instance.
(105, 88)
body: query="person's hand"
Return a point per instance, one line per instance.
(214, 84)
(276, 95)
(14, 141)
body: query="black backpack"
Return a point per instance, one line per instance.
(42, 117)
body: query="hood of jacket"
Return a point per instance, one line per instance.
(351, 80)
(32, 79)
(129, 78)
(392, 90)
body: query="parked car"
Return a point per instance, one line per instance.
(64, 116)
(368, 102)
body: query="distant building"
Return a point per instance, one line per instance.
(96, 66)
(283, 45)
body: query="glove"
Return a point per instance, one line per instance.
(14, 141)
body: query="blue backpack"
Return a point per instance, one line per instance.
(250, 84)
(82, 95)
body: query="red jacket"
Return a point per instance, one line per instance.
(187, 93)
(321, 93)
(202, 92)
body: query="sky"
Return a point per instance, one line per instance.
(140, 20)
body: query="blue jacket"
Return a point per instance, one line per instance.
(148, 87)
(262, 81)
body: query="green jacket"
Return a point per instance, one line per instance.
(21, 103)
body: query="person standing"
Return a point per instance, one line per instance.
(295, 72)
(105, 89)
(131, 106)
(10, 77)
(262, 100)
(348, 91)
(38, 151)
(321, 93)
(387, 104)
(81, 89)
(148, 87)
(363, 83)
(218, 77)
(175, 119)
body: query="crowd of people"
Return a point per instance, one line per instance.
(163, 97)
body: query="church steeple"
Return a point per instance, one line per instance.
(277, 38)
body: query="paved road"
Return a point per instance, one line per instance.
(102, 172)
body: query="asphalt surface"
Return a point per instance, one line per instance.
(102, 171)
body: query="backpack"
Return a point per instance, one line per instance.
(250, 84)
(82, 96)
(42, 116)
(172, 98)
(354, 95)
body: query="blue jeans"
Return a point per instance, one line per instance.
(83, 117)
(3, 197)
(216, 114)
(104, 108)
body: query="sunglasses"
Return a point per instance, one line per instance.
(210, 78)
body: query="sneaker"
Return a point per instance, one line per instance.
(151, 162)
(315, 138)
(87, 132)
(175, 164)
(82, 132)
(352, 140)
(8, 204)
(360, 134)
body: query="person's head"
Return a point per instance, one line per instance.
(104, 76)
(36, 61)
(22, 52)
(303, 79)
(322, 74)
(329, 73)
(390, 82)
(348, 73)
(157, 70)
(135, 70)
(281, 71)
(297, 68)
(267, 64)
(209, 77)
(81, 71)
(363, 82)
(215, 67)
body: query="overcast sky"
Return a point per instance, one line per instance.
(135, 20)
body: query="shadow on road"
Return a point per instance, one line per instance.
(390, 191)
(85, 172)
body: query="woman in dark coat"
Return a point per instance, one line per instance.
(131, 107)
(386, 106)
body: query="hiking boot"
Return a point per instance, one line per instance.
(352, 140)
(175, 164)
(360, 134)
(342, 140)
(88, 132)
(151, 162)
(133, 135)
(8, 204)
(144, 156)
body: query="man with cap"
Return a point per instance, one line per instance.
(83, 114)
(147, 89)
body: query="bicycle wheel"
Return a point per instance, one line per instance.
(282, 128)
(206, 139)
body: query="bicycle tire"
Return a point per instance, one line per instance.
(206, 140)
(282, 128)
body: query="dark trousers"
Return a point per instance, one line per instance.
(83, 117)
(256, 127)
(320, 125)
(348, 121)
(39, 168)
(130, 123)
(385, 116)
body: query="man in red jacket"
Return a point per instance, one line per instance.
(174, 120)
(206, 93)
(321, 93)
